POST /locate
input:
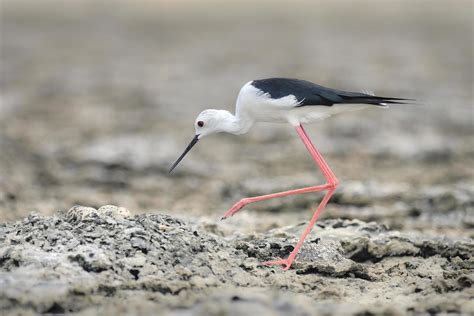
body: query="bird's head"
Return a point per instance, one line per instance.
(212, 121)
(208, 122)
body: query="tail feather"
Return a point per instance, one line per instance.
(376, 100)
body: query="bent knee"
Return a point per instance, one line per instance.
(334, 184)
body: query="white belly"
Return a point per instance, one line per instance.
(297, 115)
(309, 114)
(268, 113)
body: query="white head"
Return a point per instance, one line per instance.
(214, 121)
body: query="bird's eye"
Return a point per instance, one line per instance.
(200, 123)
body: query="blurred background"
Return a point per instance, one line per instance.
(98, 98)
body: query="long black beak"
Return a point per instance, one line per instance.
(191, 144)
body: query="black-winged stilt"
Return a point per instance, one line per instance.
(285, 100)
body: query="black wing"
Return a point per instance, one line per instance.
(308, 93)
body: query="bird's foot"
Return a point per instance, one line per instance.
(286, 262)
(234, 209)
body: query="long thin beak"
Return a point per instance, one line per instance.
(191, 144)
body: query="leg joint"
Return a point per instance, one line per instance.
(333, 183)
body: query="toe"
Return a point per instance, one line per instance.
(284, 262)
(274, 262)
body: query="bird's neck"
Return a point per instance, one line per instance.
(237, 124)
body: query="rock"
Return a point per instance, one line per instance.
(114, 211)
(79, 213)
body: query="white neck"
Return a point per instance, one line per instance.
(235, 124)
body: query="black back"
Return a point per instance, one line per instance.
(308, 93)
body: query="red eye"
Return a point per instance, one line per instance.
(200, 123)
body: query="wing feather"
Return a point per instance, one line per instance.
(310, 94)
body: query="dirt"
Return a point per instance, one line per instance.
(98, 100)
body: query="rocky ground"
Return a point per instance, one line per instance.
(108, 261)
(98, 99)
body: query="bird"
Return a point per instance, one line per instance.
(284, 100)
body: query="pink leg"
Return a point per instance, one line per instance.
(330, 186)
(288, 261)
(239, 205)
